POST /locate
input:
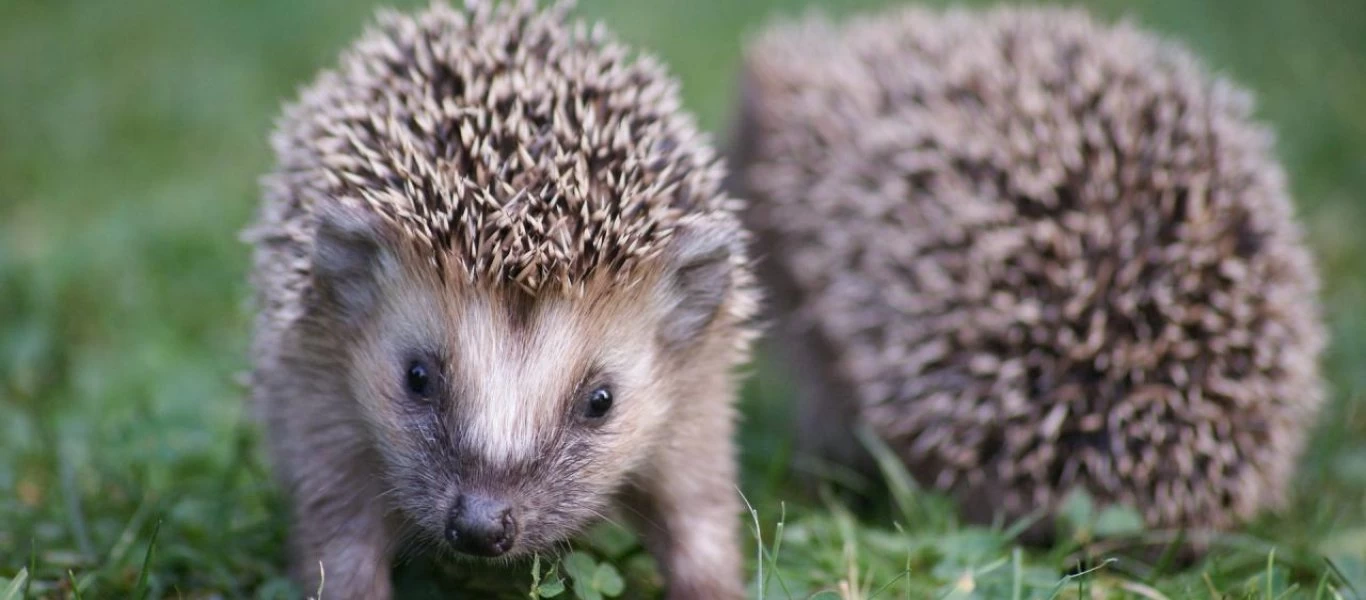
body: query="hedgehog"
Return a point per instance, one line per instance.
(1030, 253)
(500, 294)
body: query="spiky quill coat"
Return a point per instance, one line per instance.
(1033, 253)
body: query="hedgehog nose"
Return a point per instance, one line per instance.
(481, 526)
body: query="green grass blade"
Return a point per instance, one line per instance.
(16, 586)
(904, 575)
(902, 486)
(758, 542)
(535, 575)
(1017, 580)
(773, 570)
(1164, 561)
(32, 568)
(141, 591)
(1062, 583)
(129, 535)
(1270, 574)
(75, 586)
(1342, 577)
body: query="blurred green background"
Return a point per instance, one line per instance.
(132, 134)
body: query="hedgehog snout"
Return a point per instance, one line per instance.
(481, 525)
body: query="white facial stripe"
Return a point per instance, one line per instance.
(515, 391)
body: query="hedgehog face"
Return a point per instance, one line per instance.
(503, 422)
(525, 412)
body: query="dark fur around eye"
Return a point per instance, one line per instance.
(598, 403)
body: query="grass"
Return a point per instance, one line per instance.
(131, 134)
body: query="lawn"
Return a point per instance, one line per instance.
(131, 136)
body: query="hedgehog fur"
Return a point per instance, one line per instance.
(1034, 253)
(482, 227)
(503, 142)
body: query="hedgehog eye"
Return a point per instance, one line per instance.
(419, 379)
(598, 403)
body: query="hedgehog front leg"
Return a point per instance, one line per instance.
(341, 549)
(339, 536)
(687, 512)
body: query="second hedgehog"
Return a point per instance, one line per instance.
(1034, 254)
(500, 293)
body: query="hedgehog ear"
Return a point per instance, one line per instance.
(698, 279)
(347, 256)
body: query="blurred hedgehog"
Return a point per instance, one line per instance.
(1033, 254)
(500, 293)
